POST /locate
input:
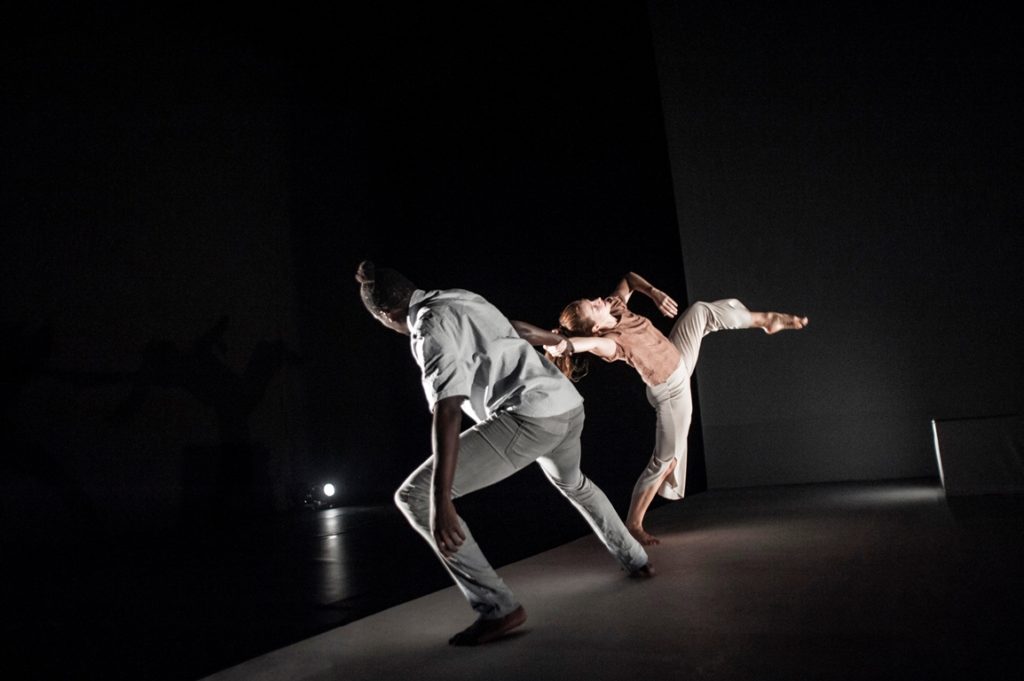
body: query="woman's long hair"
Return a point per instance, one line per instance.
(571, 323)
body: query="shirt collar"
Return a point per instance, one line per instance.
(415, 301)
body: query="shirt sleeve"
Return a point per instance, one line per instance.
(620, 353)
(446, 369)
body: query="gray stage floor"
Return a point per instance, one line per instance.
(887, 580)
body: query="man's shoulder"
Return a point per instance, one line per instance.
(447, 296)
(440, 308)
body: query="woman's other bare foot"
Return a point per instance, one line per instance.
(773, 322)
(484, 630)
(643, 536)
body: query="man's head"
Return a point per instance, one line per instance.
(386, 294)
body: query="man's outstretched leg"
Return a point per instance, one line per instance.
(562, 468)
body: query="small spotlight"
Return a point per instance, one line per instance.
(321, 495)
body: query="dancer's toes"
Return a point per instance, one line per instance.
(778, 321)
(485, 630)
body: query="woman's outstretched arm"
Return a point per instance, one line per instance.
(557, 344)
(596, 345)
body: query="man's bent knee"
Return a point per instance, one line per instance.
(571, 487)
(408, 501)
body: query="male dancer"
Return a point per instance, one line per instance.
(473, 360)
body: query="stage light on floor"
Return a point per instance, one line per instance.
(322, 495)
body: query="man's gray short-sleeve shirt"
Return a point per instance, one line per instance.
(465, 346)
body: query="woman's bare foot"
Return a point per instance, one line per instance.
(643, 536)
(773, 322)
(483, 631)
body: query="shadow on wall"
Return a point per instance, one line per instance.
(220, 478)
(31, 474)
(215, 479)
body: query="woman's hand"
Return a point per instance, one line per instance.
(665, 303)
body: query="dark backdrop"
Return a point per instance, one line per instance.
(518, 152)
(186, 196)
(859, 163)
(148, 301)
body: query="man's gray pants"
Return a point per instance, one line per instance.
(493, 450)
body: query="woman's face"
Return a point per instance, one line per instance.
(598, 312)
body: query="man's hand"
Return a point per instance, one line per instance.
(557, 350)
(445, 526)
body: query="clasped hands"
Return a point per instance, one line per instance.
(563, 346)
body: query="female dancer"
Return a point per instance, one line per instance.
(607, 328)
